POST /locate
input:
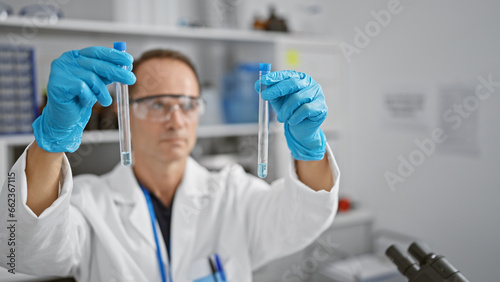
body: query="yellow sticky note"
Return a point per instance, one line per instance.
(292, 58)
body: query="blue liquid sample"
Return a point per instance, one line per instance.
(263, 134)
(126, 158)
(262, 171)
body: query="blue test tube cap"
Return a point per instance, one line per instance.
(264, 67)
(120, 46)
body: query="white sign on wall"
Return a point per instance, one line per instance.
(405, 110)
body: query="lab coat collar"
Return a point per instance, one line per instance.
(195, 179)
(125, 187)
(190, 199)
(126, 191)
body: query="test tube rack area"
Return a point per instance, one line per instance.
(18, 107)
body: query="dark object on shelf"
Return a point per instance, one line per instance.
(275, 23)
(430, 267)
(102, 118)
(93, 123)
(259, 23)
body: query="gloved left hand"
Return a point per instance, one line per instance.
(77, 80)
(299, 103)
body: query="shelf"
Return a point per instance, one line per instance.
(111, 136)
(89, 137)
(100, 136)
(16, 139)
(227, 130)
(204, 131)
(113, 28)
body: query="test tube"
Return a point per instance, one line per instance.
(263, 125)
(123, 114)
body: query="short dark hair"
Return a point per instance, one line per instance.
(164, 54)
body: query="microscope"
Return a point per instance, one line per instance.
(430, 267)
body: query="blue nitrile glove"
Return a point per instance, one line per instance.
(300, 104)
(77, 80)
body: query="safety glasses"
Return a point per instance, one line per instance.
(159, 108)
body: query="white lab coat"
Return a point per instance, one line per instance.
(99, 228)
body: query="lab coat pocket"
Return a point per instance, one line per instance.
(209, 269)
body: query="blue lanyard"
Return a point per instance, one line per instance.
(153, 221)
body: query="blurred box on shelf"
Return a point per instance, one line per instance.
(240, 101)
(18, 107)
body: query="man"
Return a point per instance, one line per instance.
(162, 218)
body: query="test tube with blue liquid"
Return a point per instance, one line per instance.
(123, 114)
(263, 125)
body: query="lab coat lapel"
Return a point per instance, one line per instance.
(126, 191)
(141, 221)
(188, 204)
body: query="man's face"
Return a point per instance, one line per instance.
(169, 140)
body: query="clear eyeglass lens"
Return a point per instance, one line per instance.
(161, 108)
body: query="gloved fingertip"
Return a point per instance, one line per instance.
(107, 104)
(130, 60)
(131, 79)
(322, 114)
(256, 86)
(105, 100)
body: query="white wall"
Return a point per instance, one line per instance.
(450, 201)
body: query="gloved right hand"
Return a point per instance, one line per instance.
(77, 80)
(300, 104)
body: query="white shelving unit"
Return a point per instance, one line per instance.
(213, 51)
(116, 28)
(227, 130)
(105, 27)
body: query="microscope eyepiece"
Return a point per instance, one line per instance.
(430, 267)
(404, 263)
(419, 252)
